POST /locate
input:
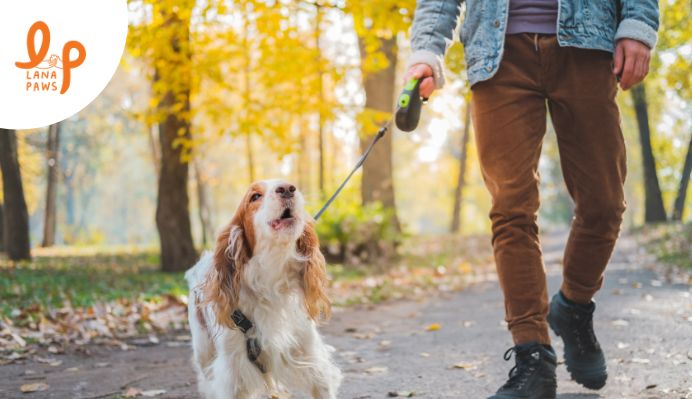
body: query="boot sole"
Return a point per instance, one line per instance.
(591, 383)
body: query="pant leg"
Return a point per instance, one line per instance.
(581, 98)
(509, 115)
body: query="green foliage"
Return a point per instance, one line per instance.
(671, 243)
(49, 282)
(356, 234)
(455, 60)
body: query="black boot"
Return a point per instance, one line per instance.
(583, 355)
(533, 376)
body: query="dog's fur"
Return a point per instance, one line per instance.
(270, 267)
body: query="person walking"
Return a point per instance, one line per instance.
(524, 58)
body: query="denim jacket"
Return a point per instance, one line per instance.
(591, 24)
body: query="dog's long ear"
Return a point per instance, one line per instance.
(314, 274)
(222, 287)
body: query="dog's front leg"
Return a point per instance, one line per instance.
(326, 376)
(228, 380)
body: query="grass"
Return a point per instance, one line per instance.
(670, 242)
(83, 279)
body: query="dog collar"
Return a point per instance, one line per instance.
(252, 345)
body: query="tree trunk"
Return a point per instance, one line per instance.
(154, 148)
(50, 214)
(653, 200)
(203, 205)
(250, 157)
(172, 209)
(16, 223)
(378, 181)
(2, 227)
(679, 205)
(303, 157)
(248, 101)
(320, 94)
(458, 191)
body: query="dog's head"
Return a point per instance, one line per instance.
(270, 220)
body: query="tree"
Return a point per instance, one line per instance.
(2, 227)
(377, 184)
(679, 205)
(653, 199)
(172, 81)
(203, 203)
(456, 211)
(676, 72)
(377, 25)
(50, 217)
(16, 223)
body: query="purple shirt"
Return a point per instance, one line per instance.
(532, 16)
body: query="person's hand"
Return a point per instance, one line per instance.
(631, 62)
(425, 72)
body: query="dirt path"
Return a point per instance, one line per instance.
(644, 324)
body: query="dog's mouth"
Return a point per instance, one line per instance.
(286, 219)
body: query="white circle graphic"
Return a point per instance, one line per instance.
(77, 46)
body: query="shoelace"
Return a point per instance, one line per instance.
(584, 334)
(521, 371)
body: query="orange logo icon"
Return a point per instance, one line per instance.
(44, 76)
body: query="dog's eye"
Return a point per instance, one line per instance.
(255, 197)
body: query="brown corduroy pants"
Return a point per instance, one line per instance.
(509, 114)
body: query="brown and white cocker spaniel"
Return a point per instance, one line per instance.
(255, 301)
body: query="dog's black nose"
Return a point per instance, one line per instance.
(286, 190)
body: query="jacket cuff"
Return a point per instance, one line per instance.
(431, 59)
(634, 29)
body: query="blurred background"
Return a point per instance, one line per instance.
(212, 95)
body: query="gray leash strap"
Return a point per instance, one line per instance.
(361, 160)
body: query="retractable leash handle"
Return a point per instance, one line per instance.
(409, 106)
(406, 118)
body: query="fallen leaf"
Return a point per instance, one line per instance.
(620, 323)
(376, 370)
(132, 392)
(464, 366)
(34, 387)
(639, 360)
(48, 360)
(433, 327)
(401, 394)
(425, 354)
(153, 392)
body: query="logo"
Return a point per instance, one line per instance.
(56, 57)
(45, 71)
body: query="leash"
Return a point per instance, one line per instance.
(406, 118)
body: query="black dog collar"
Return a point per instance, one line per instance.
(252, 345)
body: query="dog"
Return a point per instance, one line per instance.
(254, 302)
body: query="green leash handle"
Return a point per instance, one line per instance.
(409, 106)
